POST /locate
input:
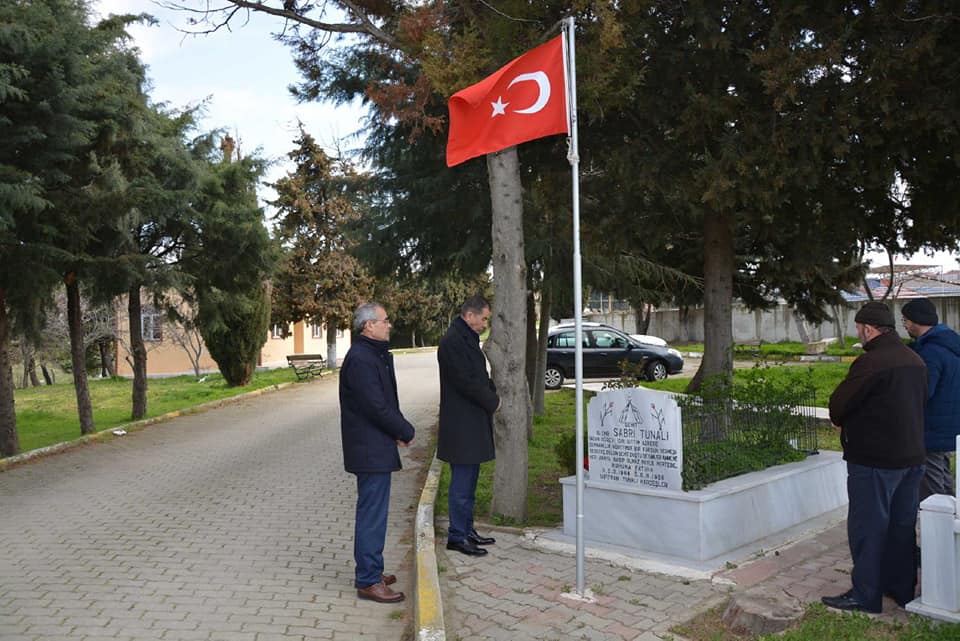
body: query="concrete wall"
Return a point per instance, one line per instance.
(774, 325)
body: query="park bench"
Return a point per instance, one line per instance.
(752, 348)
(306, 366)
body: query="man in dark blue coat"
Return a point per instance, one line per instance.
(939, 347)
(468, 399)
(371, 427)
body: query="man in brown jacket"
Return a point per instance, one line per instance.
(879, 410)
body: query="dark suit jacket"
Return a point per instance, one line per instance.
(370, 418)
(468, 398)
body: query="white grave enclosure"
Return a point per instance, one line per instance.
(633, 497)
(940, 557)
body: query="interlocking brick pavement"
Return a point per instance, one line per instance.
(236, 523)
(817, 566)
(517, 592)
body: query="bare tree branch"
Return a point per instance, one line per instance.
(289, 12)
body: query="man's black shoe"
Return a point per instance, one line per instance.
(467, 547)
(480, 540)
(846, 601)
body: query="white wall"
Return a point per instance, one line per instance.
(774, 325)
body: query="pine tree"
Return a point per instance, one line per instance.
(317, 279)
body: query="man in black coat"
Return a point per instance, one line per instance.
(468, 399)
(879, 409)
(371, 427)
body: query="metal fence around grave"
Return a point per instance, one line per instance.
(726, 438)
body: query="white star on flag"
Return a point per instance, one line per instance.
(499, 107)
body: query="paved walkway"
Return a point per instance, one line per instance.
(517, 591)
(520, 592)
(232, 524)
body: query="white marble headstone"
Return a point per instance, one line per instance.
(634, 439)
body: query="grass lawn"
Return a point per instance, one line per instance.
(785, 349)
(48, 415)
(824, 376)
(821, 624)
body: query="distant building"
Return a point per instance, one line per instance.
(166, 357)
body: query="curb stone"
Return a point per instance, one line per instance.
(428, 607)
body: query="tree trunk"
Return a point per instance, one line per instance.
(9, 441)
(77, 355)
(505, 347)
(139, 352)
(32, 371)
(47, 374)
(332, 343)
(718, 265)
(531, 340)
(26, 356)
(801, 327)
(538, 380)
(839, 323)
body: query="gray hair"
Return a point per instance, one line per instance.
(475, 304)
(365, 312)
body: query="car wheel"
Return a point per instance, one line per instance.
(553, 377)
(656, 371)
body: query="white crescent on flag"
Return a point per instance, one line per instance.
(543, 83)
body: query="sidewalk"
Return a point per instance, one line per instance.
(520, 591)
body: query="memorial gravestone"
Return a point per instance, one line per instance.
(634, 438)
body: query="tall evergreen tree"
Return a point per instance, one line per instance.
(230, 258)
(317, 279)
(55, 74)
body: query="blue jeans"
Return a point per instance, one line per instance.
(373, 504)
(881, 530)
(460, 499)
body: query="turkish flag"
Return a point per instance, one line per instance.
(525, 100)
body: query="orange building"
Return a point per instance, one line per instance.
(169, 347)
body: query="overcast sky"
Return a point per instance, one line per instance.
(244, 73)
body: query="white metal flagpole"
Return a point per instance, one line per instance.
(573, 155)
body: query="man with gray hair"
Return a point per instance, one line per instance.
(371, 427)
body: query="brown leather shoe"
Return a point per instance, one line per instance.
(380, 593)
(388, 579)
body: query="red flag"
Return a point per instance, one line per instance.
(525, 100)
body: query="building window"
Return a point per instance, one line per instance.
(277, 332)
(317, 330)
(151, 324)
(339, 333)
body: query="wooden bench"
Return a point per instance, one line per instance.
(306, 366)
(752, 348)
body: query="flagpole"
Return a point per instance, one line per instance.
(574, 158)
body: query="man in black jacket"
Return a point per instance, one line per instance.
(371, 427)
(879, 409)
(468, 399)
